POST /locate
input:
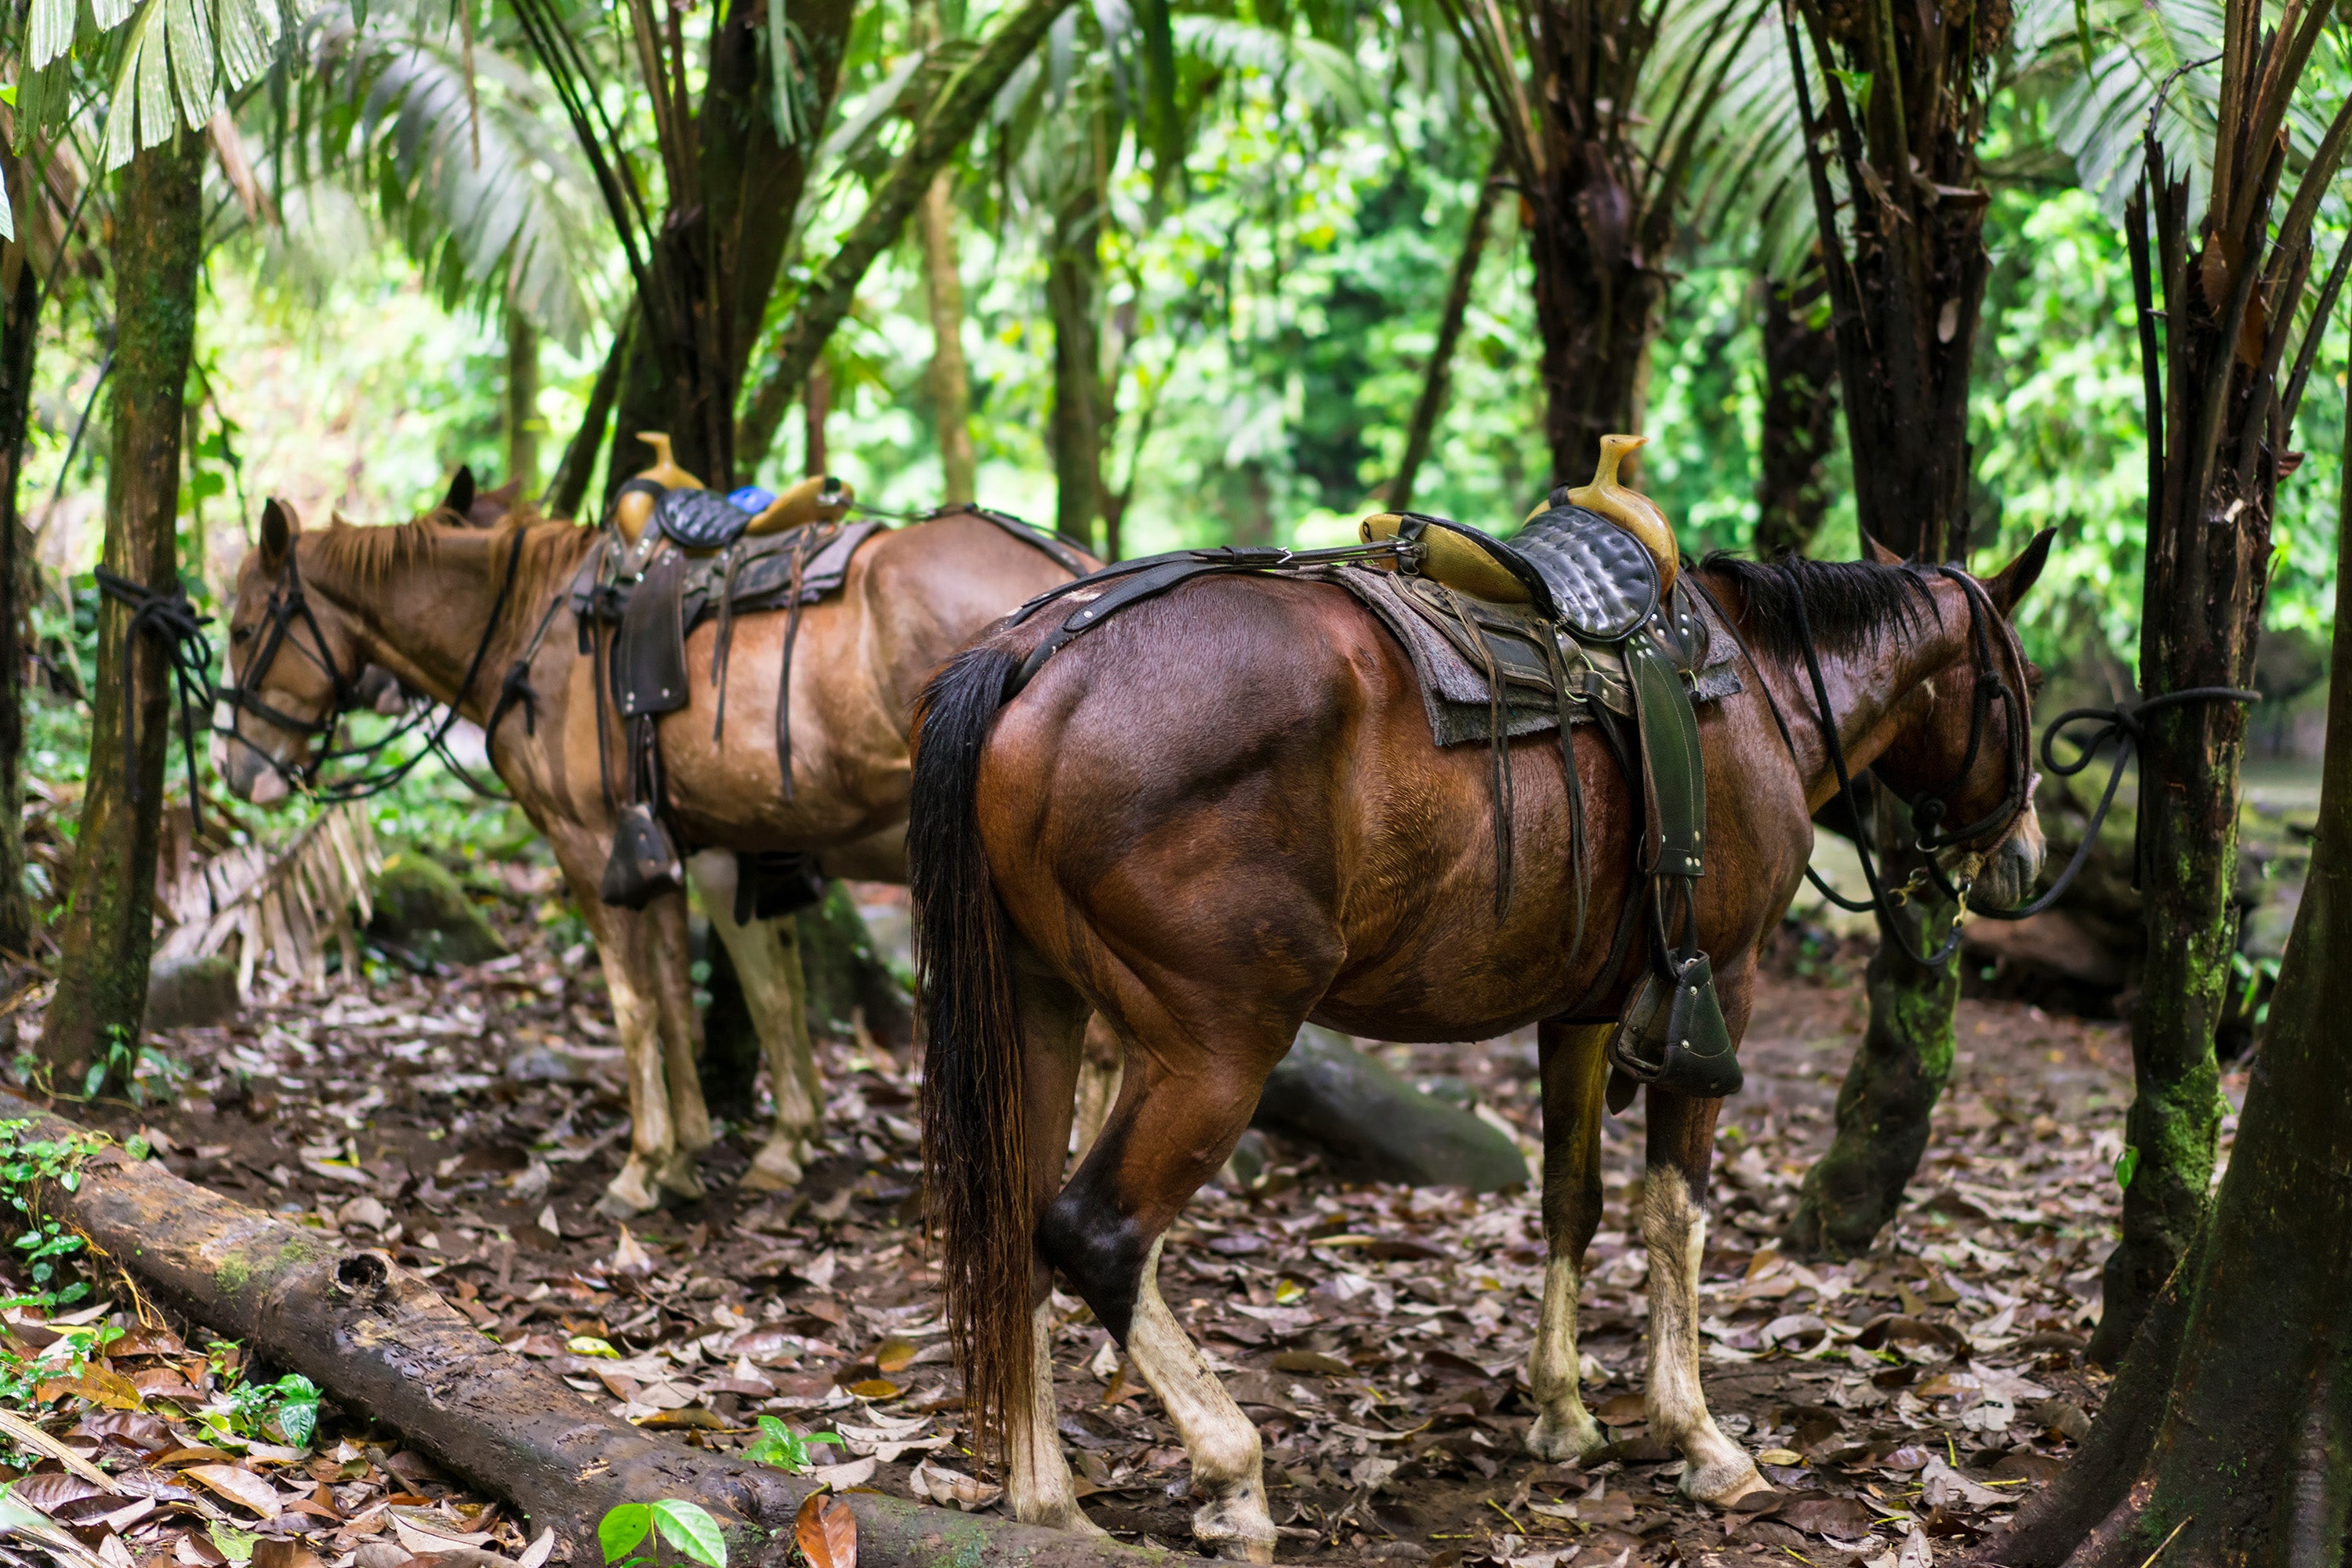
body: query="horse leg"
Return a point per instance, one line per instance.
(767, 956)
(1674, 1225)
(1052, 1017)
(1100, 1064)
(1575, 1070)
(681, 1042)
(622, 938)
(1171, 1129)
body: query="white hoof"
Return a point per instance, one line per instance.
(776, 1168)
(630, 1194)
(679, 1179)
(1237, 1528)
(1566, 1438)
(1724, 1475)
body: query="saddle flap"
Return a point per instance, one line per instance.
(1601, 579)
(649, 655)
(1674, 773)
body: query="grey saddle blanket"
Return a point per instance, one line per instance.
(1455, 691)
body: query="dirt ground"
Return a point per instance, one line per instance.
(1901, 1404)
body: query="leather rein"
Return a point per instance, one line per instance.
(289, 607)
(2121, 724)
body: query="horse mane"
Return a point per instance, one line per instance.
(1851, 605)
(367, 553)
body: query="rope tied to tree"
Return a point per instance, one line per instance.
(167, 615)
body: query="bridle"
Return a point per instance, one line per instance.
(1994, 686)
(289, 607)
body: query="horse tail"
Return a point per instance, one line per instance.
(975, 1146)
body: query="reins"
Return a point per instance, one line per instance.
(2121, 723)
(286, 603)
(166, 615)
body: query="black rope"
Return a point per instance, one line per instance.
(164, 614)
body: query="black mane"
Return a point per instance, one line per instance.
(1851, 605)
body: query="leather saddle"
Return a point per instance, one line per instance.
(1571, 566)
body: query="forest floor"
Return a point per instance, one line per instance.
(467, 1120)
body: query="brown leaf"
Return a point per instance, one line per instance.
(146, 1341)
(241, 1486)
(131, 1429)
(895, 1355)
(691, 1415)
(163, 1383)
(1839, 1516)
(271, 1552)
(199, 1455)
(826, 1531)
(50, 1493)
(1320, 1363)
(1622, 1410)
(875, 1388)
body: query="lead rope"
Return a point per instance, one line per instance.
(164, 614)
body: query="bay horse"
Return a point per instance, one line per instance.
(1220, 815)
(446, 606)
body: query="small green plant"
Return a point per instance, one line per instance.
(785, 1449)
(46, 1243)
(690, 1530)
(290, 1405)
(145, 1075)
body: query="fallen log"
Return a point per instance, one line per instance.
(381, 1342)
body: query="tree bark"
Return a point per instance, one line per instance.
(2223, 1436)
(379, 1341)
(1801, 368)
(521, 418)
(102, 992)
(816, 406)
(20, 288)
(1437, 379)
(1906, 278)
(945, 124)
(847, 976)
(1081, 412)
(569, 489)
(949, 377)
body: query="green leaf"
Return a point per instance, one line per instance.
(620, 1532)
(1858, 84)
(692, 1530)
(299, 1419)
(2126, 1163)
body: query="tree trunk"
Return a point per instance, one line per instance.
(1438, 376)
(847, 976)
(1599, 293)
(1081, 411)
(2222, 1439)
(380, 1343)
(816, 406)
(1801, 368)
(1906, 280)
(102, 991)
(20, 289)
(569, 489)
(522, 413)
(949, 377)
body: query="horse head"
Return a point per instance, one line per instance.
(1967, 767)
(294, 660)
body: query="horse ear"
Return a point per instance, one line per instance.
(279, 526)
(1879, 553)
(460, 499)
(2019, 576)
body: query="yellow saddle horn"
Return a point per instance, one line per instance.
(1630, 510)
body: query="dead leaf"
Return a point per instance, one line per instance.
(277, 1552)
(50, 1493)
(952, 1487)
(1314, 1363)
(1842, 1517)
(825, 1529)
(629, 1258)
(896, 1354)
(875, 1388)
(241, 1486)
(1622, 1410)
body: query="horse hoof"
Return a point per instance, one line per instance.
(1072, 1519)
(680, 1180)
(1724, 1480)
(1569, 1440)
(630, 1194)
(773, 1169)
(1237, 1529)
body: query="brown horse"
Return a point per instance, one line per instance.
(431, 599)
(1220, 815)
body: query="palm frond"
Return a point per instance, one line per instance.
(283, 904)
(1720, 94)
(172, 63)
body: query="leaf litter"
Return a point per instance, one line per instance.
(466, 1120)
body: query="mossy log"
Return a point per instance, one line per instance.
(381, 1344)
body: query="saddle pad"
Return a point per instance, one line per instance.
(762, 571)
(699, 520)
(1602, 580)
(649, 655)
(1454, 689)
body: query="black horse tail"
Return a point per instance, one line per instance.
(975, 1146)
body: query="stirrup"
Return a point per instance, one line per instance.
(1674, 1036)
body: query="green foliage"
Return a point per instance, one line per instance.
(289, 1407)
(45, 1243)
(780, 1446)
(686, 1527)
(2126, 1163)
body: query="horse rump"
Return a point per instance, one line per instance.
(975, 1148)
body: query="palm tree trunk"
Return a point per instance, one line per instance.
(1800, 419)
(949, 377)
(521, 412)
(1438, 376)
(20, 288)
(2222, 1437)
(569, 487)
(101, 994)
(1905, 284)
(1072, 300)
